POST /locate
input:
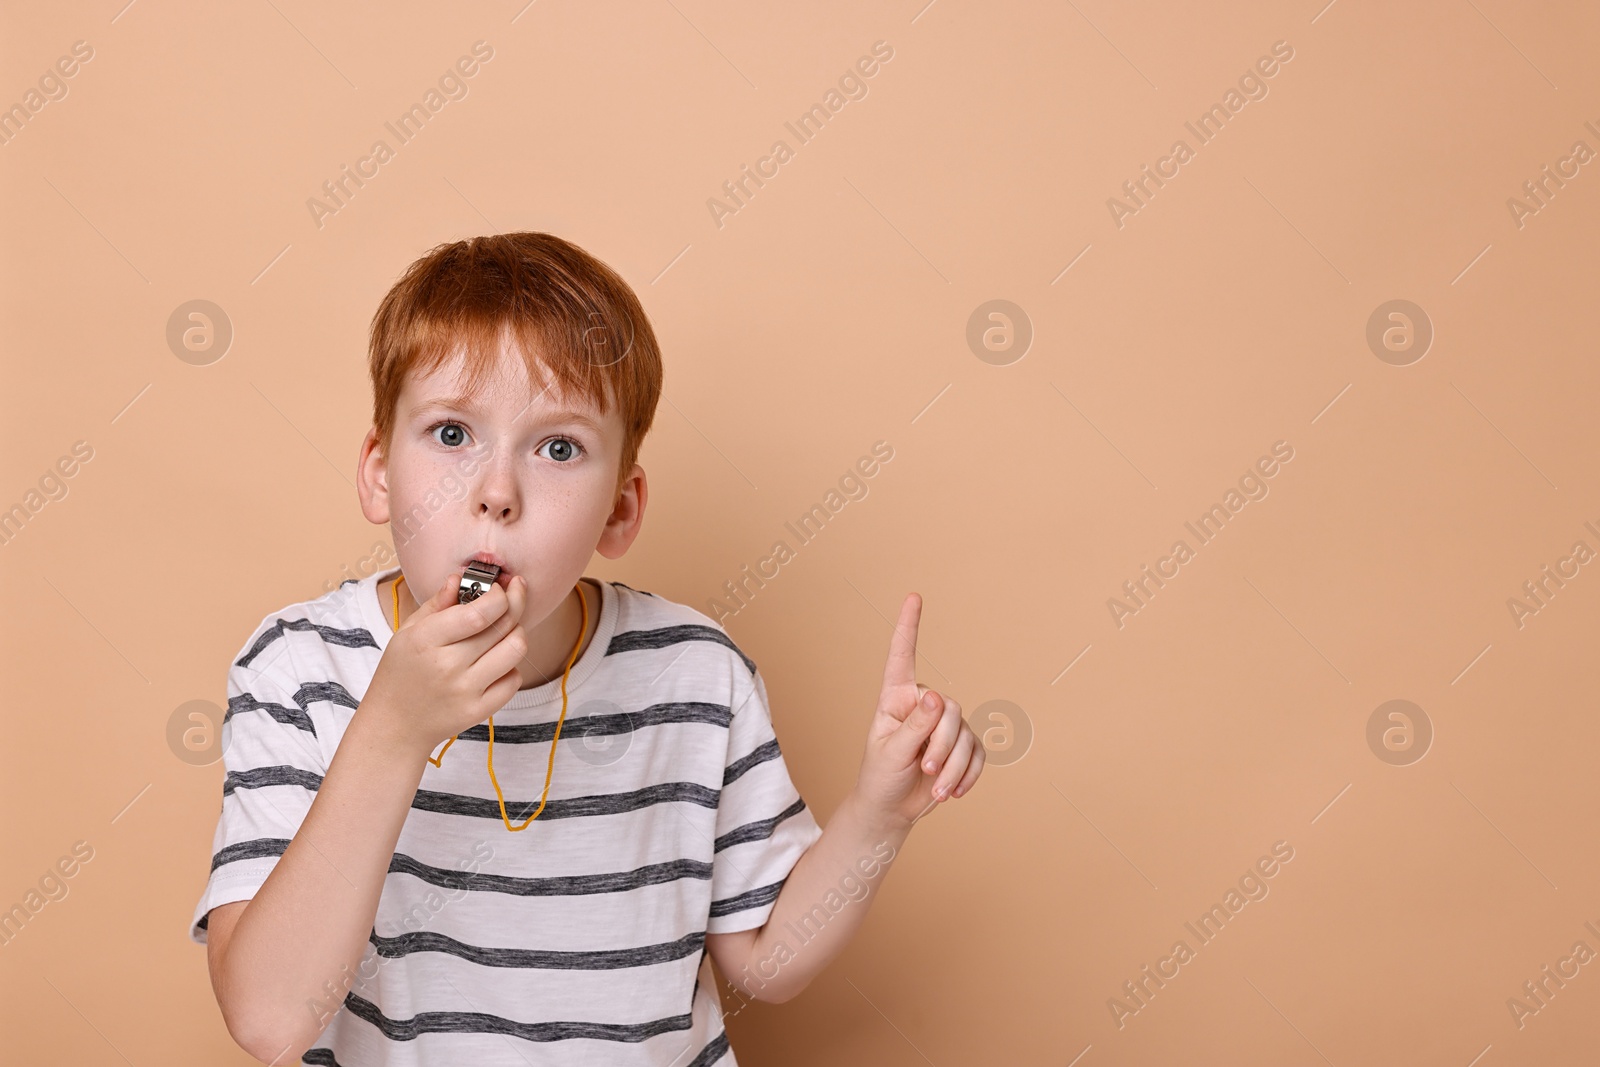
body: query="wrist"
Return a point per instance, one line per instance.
(879, 824)
(380, 728)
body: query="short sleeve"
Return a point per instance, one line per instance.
(763, 824)
(274, 765)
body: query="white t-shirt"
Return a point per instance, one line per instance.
(580, 939)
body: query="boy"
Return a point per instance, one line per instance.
(373, 901)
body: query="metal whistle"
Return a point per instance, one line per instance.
(476, 580)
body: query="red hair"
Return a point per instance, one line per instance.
(570, 315)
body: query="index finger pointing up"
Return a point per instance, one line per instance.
(901, 667)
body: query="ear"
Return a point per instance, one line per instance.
(627, 516)
(372, 479)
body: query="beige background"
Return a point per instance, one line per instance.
(829, 313)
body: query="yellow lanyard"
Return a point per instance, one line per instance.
(438, 761)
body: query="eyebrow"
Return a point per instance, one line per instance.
(469, 404)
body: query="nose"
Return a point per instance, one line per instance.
(497, 492)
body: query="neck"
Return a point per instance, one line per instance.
(549, 642)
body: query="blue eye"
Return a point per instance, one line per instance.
(459, 434)
(564, 448)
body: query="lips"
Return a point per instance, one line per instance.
(503, 579)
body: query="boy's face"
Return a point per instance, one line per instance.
(515, 475)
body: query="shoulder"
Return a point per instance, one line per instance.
(327, 626)
(305, 667)
(647, 621)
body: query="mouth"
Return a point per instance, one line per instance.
(503, 579)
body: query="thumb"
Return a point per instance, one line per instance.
(914, 732)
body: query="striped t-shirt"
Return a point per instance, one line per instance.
(580, 939)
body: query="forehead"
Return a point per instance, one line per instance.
(507, 387)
